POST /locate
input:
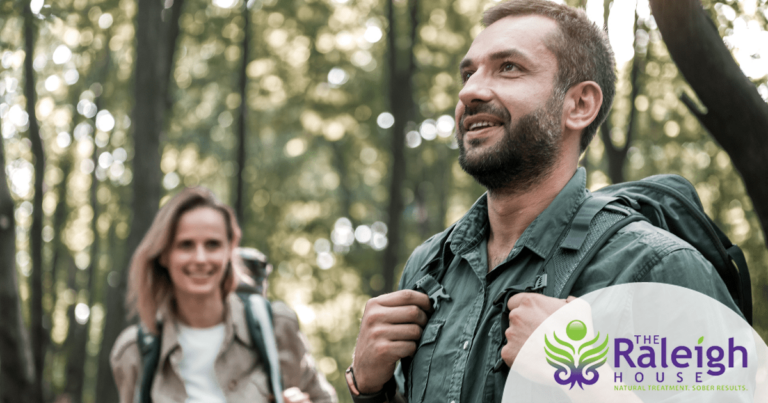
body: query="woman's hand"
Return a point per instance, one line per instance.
(295, 395)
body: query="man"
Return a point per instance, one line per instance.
(538, 82)
(303, 382)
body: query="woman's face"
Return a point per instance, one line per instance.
(199, 254)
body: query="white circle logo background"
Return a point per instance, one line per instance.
(652, 319)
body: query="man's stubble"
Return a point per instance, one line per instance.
(526, 152)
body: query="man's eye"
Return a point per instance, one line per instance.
(465, 76)
(508, 67)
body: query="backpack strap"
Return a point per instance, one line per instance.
(431, 274)
(503, 298)
(434, 289)
(580, 225)
(594, 222)
(598, 219)
(740, 261)
(428, 281)
(149, 347)
(258, 315)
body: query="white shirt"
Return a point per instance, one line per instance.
(199, 348)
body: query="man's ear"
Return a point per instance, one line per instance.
(582, 103)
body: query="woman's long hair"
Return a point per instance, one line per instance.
(149, 283)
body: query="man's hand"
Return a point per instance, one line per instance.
(391, 326)
(527, 312)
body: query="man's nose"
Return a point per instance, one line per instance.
(477, 89)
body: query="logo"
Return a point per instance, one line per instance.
(667, 344)
(576, 365)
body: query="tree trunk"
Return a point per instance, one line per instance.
(16, 365)
(77, 356)
(37, 327)
(169, 32)
(617, 156)
(77, 352)
(422, 209)
(156, 33)
(61, 253)
(59, 220)
(402, 106)
(736, 116)
(345, 193)
(72, 344)
(445, 163)
(421, 197)
(241, 126)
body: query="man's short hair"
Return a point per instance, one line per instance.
(582, 50)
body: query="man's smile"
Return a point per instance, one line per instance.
(480, 121)
(480, 125)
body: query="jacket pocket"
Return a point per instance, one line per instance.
(422, 360)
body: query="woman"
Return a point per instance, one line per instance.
(182, 276)
(296, 363)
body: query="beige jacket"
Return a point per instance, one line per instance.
(238, 367)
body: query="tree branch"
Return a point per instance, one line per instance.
(737, 117)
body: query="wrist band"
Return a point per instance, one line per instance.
(385, 395)
(354, 380)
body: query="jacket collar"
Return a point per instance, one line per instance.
(471, 228)
(541, 235)
(235, 325)
(545, 231)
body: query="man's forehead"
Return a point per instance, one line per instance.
(527, 35)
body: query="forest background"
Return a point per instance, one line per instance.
(327, 124)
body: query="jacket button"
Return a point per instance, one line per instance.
(232, 385)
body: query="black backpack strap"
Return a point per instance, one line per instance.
(580, 225)
(429, 277)
(744, 300)
(258, 315)
(539, 283)
(593, 224)
(149, 347)
(598, 219)
(432, 273)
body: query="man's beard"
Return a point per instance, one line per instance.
(526, 152)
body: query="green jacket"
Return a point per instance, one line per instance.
(461, 344)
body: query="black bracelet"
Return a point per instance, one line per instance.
(354, 380)
(385, 395)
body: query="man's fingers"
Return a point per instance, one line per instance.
(407, 314)
(530, 299)
(403, 349)
(406, 297)
(508, 354)
(397, 315)
(409, 332)
(519, 299)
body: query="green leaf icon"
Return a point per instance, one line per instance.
(701, 339)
